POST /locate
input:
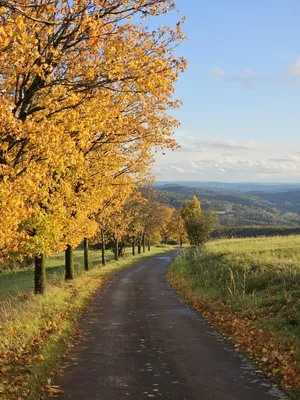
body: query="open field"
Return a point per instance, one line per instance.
(250, 290)
(22, 280)
(37, 330)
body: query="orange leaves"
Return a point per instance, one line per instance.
(85, 101)
(19, 22)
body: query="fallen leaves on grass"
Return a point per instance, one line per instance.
(275, 357)
(19, 365)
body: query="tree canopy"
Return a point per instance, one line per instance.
(86, 91)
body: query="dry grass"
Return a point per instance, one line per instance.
(258, 280)
(37, 330)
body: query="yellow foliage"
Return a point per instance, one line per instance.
(85, 101)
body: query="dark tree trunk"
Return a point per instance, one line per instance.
(133, 246)
(39, 274)
(180, 241)
(166, 240)
(69, 265)
(86, 254)
(149, 245)
(143, 243)
(121, 249)
(103, 247)
(139, 246)
(116, 249)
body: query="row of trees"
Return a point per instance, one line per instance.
(143, 219)
(85, 94)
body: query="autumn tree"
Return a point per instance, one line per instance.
(199, 224)
(190, 208)
(177, 227)
(134, 213)
(117, 231)
(111, 219)
(149, 214)
(82, 88)
(199, 228)
(165, 222)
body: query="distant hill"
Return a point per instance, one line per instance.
(286, 201)
(235, 187)
(264, 208)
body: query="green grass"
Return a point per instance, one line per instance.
(22, 280)
(37, 330)
(256, 278)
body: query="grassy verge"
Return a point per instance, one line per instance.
(37, 330)
(22, 280)
(250, 290)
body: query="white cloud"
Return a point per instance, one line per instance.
(235, 169)
(293, 158)
(203, 146)
(155, 170)
(249, 72)
(214, 159)
(219, 71)
(231, 144)
(284, 56)
(289, 158)
(295, 70)
(177, 169)
(248, 77)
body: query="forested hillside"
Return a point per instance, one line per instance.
(286, 201)
(262, 208)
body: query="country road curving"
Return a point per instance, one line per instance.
(143, 342)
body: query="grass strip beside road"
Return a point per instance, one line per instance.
(249, 289)
(37, 330)
(21, 280)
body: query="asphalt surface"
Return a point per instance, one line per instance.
(143, 342)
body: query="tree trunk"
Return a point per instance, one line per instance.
(86, 254)
(143, 243)
(149, 246)
(166, 240)
(121, 249)
(69, 265)
(133, 246)
(180, 241)
(103, 247)
(39, 274)
(139, 246)
(116, 249)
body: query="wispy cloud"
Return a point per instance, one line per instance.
(284, 56)
(248, 77)
(240, 169)
(219, 71)
(177, 169)
(290, 159)
(202, 146)
(232, 145)
(295, 70)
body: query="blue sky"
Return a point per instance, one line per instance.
(241, 115)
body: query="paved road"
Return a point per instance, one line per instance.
(143, 342)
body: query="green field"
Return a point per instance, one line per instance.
(22, 280)
(256, 281)
(260, 274)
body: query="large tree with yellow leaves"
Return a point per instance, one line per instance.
(85, 94)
